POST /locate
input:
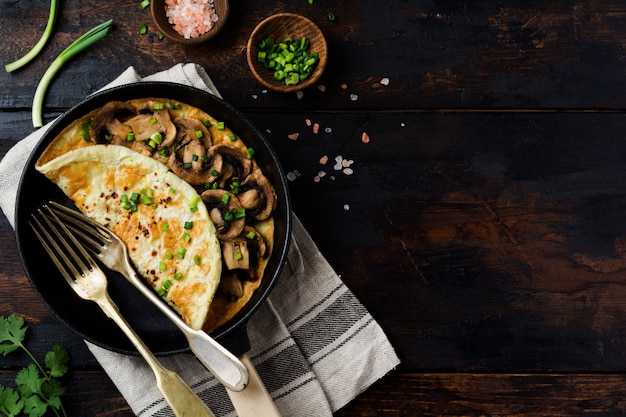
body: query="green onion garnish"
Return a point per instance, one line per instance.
(143, 29)
(186, 237)
(83, 42)
(181, 252)
(188, 225)
(196, 260)
(220, 126)
(47, 32)
(159, 106)
(145, 3)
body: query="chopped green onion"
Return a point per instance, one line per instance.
(167, 284)
(250, 235)
(188, 225)
(331, 16)
(194, 158)
(124, 198)
(186, 237)
(47, 32)
(178, 275)
(196, 260)
(157, 137)
(186, 165)
(162, 266)
(164, 152)
(147, 200)
(238, 256)
(225, 198)
(194, 201)
(181, 252)
(130, 137)
(169, 256)
(85, 128)
(159, 106)
(134, 197)
(145, 3)
(172, 190)
(232, 137)
(164, 227)
(193, 209)
(206, 123)
(220, 126)
(143, 29)
(83, 42)
(153, 121)
(249, 153)
(199, 134)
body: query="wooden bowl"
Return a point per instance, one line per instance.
(157, 9)
(279, 27)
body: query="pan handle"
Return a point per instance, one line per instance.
(254, 400)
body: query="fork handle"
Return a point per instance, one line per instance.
(181, 399)
(225, 366)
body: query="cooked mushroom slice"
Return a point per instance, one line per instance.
(148, 126)
(189, 159)
(107, 124)
(258, 196)
(243, 251)
(226, 213)
(231, 284)
(229, 162)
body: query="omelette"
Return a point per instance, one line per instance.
(177, 153)
(170, 238)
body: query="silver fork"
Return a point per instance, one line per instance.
(89, 282)
(112, 251)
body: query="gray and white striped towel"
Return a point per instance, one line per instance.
(313, 343)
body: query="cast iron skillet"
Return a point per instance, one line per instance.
(84, 317)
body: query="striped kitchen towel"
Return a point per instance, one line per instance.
(313, 343)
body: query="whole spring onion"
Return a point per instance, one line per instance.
(52, 17)
(87, 39)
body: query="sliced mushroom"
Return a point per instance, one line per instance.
(107, 124)
(231, 284)
(225, 212)
(258, 196)
(244, 251)
(189, 159)
(229, 162)
(150, 121)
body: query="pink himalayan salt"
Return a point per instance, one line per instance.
(191, 18)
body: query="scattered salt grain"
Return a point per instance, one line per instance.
(344, 86)
(346, 163)
(321, 87)
(293, 175)
(299, 95)
(293, 136)
(321, 174)
(346, 207)
(348, 171)
(354, 97)
(338, 161)
(385, 81)
(324, 160)
(365, 138)
(254, 96)
(191, 18)
(402, 124)
(317, 178)
(328, 130)
(316, 128)
(308, 122)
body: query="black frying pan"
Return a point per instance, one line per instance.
(84, 317)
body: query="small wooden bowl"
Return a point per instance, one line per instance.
(279, 27)
(157, 9)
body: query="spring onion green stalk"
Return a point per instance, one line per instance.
(83, 42)
(52, 17)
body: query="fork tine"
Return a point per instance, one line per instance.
(89, 231)
(48, 243)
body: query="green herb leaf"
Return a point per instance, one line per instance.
(12, 333)
(29, 380)
(10, 402)
(57, 360)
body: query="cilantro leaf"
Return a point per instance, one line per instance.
(34, 407)
(52, 390)
(57, 360)
(12, 333)
(10, 402)
(29, 380)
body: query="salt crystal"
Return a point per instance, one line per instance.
(348, 171)
(344, 86)
(254, 96)
(316, 178)
(328, 130)
(308, 122)
(385, 81)
(293, 136)
(321, 87)
(299, 95)
(354, 97)
(321, 174)
(365, 138)
(316, 128)
(291, 176)
(402, 124)
(338, 164)
(324, 160)
(346, 207)
(346, 163)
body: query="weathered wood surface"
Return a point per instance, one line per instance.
(483, 225)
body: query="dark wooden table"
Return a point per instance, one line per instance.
(484, 225)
